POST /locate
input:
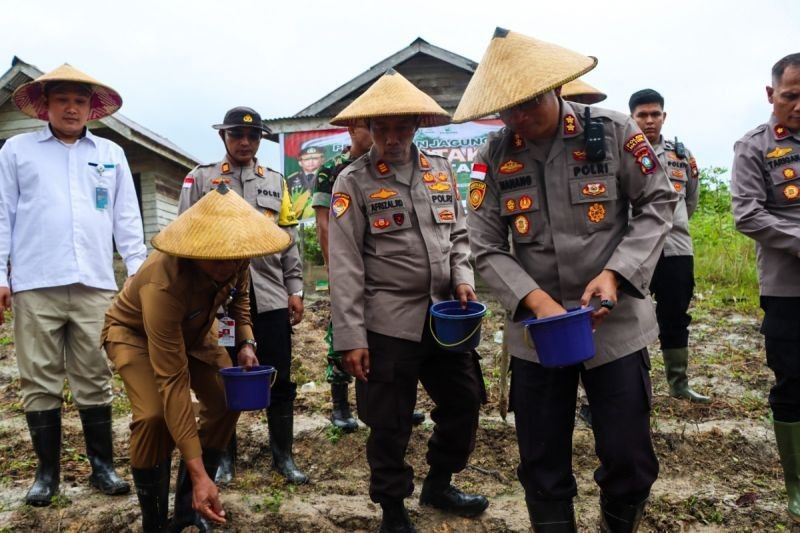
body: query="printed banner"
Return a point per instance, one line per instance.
(304, 152)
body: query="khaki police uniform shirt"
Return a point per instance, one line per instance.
(275, 276)
(400, 242)
(169, 311)
(684, 178)
(570, 219)
(765, 185)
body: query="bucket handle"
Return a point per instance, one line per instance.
(273, 378)
(430, 326)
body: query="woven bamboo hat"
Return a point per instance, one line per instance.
(514, 69)
(30, 97)
(393, 95)
(581, 92)
(221, 226)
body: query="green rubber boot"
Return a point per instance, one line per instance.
(676, 361)
(787, 436)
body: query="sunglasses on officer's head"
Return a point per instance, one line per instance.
(238, 133)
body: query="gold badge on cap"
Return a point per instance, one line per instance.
(247, 118)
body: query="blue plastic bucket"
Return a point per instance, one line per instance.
(563, 340)
(454, 328)
(248, 390)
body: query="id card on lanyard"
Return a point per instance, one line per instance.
(226, 325)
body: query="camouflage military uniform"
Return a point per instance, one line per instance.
(323, 188)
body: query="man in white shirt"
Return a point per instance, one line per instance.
(66, 197)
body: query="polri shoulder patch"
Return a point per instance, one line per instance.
(340, 203)
(477, 191)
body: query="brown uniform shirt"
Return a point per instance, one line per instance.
(765, 185)
(569, 219)
(684, 178)
(169, 308)
(274, 276)
(400, 242)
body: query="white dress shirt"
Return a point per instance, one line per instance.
(63, 208)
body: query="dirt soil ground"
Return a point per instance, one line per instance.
(719, 466)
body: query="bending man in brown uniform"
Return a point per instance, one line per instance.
(398, 242)
(162, 335)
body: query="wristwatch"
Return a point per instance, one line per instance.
(251, 342)
(298, 293)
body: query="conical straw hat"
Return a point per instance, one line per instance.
(393, 95)
(29, 97)
(221, 226)
(581, 92)
(514, 69)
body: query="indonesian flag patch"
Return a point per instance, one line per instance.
(188, 181)
(478, 171)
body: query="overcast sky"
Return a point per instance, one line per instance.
(180, 65)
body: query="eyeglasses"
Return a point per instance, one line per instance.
(251, 134)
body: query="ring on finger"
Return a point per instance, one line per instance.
(608, 304)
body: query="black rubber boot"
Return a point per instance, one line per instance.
(395, 518)
(184, 515)
(45, 429)
(439, 493)
(227, 463)
(96, 423)
(552, 517)
(618, 517)
(152, 489)
(280, 420)
(340, 414)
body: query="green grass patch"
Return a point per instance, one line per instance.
(724, 259)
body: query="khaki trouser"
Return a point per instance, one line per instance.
(151, 442)
(57, 335)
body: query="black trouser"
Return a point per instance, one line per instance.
(273, 334)
(619, 393)
(672, 287)
(386, 402)
(781, 329)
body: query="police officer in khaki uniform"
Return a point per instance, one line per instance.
(276, 281)
(587, 207)
(162, 335)
(673, 279)
(765, 185)
(399, 242)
